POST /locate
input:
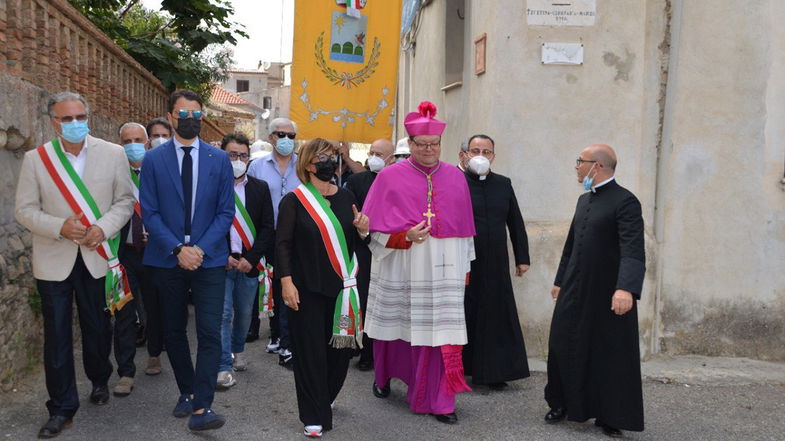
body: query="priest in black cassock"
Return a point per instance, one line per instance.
(594, 361)
(496, 352)
(380, 155)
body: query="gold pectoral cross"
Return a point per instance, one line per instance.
(429, 214)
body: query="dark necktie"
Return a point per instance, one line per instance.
(187, 174)
(136, 228)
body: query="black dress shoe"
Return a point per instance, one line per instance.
(99, 395)
(498, 386)
(365, 365)
(608, 430)
(54, 426)
(381, 392)
(555, 415)
(447, 418)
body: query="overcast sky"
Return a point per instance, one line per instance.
(269, 38)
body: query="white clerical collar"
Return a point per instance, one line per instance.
(594, 188)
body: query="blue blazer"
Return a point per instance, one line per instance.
(163, 210)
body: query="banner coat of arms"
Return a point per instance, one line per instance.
(345, 68)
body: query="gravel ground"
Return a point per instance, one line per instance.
(713, 405)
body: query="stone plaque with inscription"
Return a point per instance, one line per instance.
(561, 13)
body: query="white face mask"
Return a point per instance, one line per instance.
(157, 141)
(239, 167)
(375, 163)
(479, 165)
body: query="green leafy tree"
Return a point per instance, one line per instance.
(187, 44)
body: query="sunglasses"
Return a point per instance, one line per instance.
(196, 114)
(285, 134)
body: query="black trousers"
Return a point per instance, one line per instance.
(319, 369)
(363, 283)
(141, 280)
(57, 308)
(125, 339)
(207, 286)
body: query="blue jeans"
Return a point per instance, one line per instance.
(238, 301)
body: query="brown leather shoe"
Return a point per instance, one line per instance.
(153, 366)
(123, 387)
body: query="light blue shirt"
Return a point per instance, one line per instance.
(178, 148)
(266, 169)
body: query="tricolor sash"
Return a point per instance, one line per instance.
(347, 318)
(135, 188)
(78, 197)
(245, 229)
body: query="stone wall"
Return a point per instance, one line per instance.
(46, 46)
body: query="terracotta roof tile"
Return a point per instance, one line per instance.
(221, 95)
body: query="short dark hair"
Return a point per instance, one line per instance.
(159, 122)
(190, 95)
(481, 136)
(239, 138)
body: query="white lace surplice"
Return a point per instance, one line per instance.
(417, 294)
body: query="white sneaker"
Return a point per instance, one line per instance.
(225, 380)
(239, 362)
(313, 431)
(273, 346)
(285, 358)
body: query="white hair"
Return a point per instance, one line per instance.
(65, 96)
(131, 124)
(280, 122)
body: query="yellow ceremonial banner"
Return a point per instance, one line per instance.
(345, 68)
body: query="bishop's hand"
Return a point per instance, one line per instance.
(418, 233)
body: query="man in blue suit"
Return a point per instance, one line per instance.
(186, 193)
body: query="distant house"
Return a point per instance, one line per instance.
(233, 113)
(267, 87)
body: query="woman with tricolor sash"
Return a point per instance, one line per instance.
(318, 227)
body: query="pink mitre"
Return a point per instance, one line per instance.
(423, 122)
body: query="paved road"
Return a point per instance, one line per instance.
(262, 407)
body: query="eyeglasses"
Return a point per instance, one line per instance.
(424, 145)
(325, 157)
(69, 118)
(580, 161)
(235, 155)
(196, 114)
(285, 134)
(484, 152)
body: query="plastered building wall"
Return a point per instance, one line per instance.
(689, 96)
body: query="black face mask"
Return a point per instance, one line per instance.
(188, 128)
(325, 170)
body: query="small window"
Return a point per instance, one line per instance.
(243, 86)
(267, 102)
(453, 42)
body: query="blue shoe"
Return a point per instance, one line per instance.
(183, 408)
(208, 420)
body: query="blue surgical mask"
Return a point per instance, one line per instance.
(284, 146)
(75, 131)
(134, 151)
(588, 182)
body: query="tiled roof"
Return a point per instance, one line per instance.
(240, 70)
(221, 95)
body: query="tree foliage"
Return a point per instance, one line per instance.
(187, 44)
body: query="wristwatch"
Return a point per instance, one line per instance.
(177, 249)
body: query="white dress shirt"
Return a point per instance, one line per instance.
(77, 161)
(195, 159)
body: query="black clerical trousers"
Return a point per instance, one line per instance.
(56, 307)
